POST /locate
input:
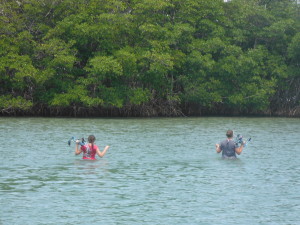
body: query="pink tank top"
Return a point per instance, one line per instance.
(89, 152)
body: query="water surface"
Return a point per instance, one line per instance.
(157, 171)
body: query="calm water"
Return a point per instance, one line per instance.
(157, 171)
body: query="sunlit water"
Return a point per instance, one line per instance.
(157, 171)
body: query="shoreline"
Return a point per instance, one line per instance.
(145, 112)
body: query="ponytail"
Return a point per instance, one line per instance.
(91, 139)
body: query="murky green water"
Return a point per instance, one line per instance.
(157, 171)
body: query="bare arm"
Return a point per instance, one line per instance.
(77, 149)
(239, 149)
(101, 154)
(218, 149)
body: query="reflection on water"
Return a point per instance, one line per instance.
(157, 171)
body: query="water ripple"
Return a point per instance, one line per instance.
(158, 171)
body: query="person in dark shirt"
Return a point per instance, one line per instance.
(228, 147)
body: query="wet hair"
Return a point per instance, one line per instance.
(229, 133)
(91, 139)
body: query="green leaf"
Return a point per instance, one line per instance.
(10, 103)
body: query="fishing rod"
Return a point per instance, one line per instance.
(239, 140)
(73, 139)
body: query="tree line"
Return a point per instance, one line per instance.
(149, 57)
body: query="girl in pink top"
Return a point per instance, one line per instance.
(90, 150)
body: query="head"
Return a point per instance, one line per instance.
(91, 139)
(229, 133)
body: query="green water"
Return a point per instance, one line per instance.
(157, 171)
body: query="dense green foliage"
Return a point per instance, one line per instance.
(149, 57)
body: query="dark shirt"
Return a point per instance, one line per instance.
(228, 148)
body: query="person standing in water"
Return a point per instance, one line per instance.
(228, 147)
(90, 150)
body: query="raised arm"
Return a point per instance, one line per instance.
(101, 154)
(77, 149)
(218, 149)
(239, 150)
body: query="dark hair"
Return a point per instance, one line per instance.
(91, 139)
(229, 133)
